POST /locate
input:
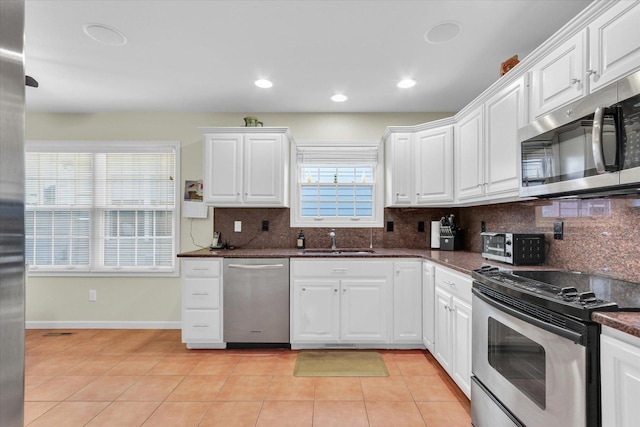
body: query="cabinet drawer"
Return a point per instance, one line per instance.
(339, 268)
(201, 268)
(457, 284)
(201, 326)
(201, 293)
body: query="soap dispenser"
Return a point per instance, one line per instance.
(300, 241)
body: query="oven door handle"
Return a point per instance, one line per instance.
(576, 337)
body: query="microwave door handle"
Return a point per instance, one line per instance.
(597, 140)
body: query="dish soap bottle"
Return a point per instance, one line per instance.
(300, 241)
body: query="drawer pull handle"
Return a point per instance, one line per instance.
(446, 282)
(200, 294)
(339, 270)
(255, 266)
(200, 269)
(201, 325)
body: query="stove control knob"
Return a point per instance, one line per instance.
(508, 242)
(568, 293)
(587, 298)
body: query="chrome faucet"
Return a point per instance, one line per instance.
(333, 239)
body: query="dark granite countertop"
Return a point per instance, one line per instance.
(628, 322)
(464, 262)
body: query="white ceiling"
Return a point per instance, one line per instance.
(204, 55)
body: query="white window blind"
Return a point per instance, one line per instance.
(336, 184)
(106, 208)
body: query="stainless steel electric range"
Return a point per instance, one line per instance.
(536, 352)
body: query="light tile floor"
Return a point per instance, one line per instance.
(119, 378)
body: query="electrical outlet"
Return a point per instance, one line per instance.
(483, 226)
(421, 226)
(389, 225)
(92, 295)
(558, 230)
(265, 225)
(237, 226)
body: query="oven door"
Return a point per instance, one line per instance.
(537, 371)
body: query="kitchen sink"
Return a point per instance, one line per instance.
(344, 252)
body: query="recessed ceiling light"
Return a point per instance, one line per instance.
(263, 83)
(443, 32)
(105, 34)
(338, 97)
(406, 83)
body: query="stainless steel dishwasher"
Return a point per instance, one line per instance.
(256, 302)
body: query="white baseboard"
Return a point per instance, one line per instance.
(68, 324)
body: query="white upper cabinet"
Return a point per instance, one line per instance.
(433, 166)
(246, 168)
(469, 156)
(614, 43)
(559, 78)
(606, 48)
(399, 169)
(419, 165)
(486, 146)
(505, 113)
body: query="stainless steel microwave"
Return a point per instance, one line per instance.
(589, 147)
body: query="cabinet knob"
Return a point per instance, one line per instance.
(335, 290)
(304, 289)
(569, 113)
(575, 81)
(592, 73)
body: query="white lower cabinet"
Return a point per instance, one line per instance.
(407, 301)
(428, 305)
(620, 378)
(356, 302)
(201, 303)
(340, 301)
(452, 341)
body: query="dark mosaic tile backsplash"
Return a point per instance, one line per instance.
(601, 236)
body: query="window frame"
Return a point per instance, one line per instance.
(95, 267)
(377, 218)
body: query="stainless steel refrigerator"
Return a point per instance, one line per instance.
(12, 270)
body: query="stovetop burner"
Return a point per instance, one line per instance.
(564, 292)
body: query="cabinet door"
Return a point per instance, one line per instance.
(505, 114)
(461, 344)
(558, 78)
(264, 172)
(201, 326)
(620, 363)
(614, 43)
(364, 310)
(469, 154)
(428, 306)
(223, 169)
(407, 301)
(434, 166)
(399, 171)
(442, 345)
(315, 310)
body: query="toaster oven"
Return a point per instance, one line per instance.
(514, 248)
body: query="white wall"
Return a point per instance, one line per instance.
(155, 302)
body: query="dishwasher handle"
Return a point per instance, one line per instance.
(256, 266)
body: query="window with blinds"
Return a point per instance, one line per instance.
(105, 207)
(336, 185)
